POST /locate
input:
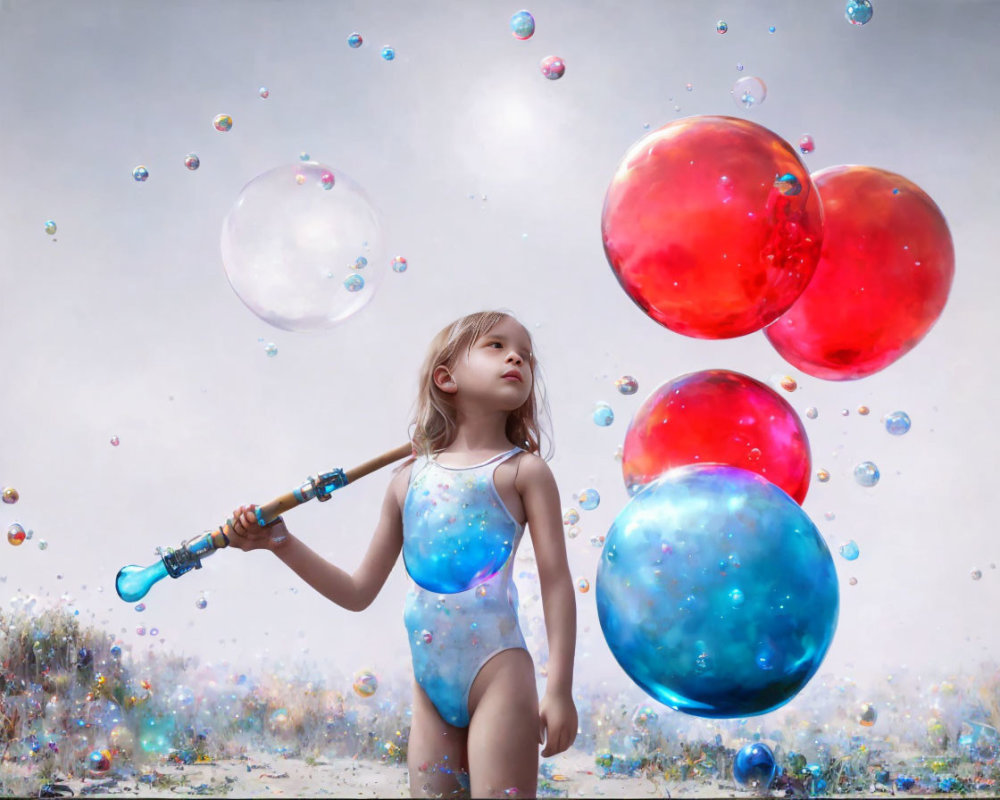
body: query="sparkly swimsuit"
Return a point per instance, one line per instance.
(454, 515)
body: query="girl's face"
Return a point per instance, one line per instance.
(497, 368)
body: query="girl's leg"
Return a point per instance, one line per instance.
(503, 733)
(435, 751)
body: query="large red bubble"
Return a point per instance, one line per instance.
(701, 232)
(717, 416)
(882, 280)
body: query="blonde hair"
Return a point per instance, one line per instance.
(434, 424)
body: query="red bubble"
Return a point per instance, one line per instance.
(717, 416)
(701, 233)
(882, 280)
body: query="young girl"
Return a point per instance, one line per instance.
(457, 511)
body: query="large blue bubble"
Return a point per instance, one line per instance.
(716, 593)
(754, 766)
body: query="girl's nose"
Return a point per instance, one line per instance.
(515, 357)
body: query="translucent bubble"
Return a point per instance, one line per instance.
(282, 239)
(223, 122)
(822, 475)
(845, 412)
(201, 603)
(15, 534)
(140, 607)
(360, 263)
(264, 92)
(866, 473)
(852, 581)
(140, 173)
(864, 411)
(355, 40)
(897, 423)
(597, 541)
(326, 180)
(42, 544)
(858, 12)
(29, 534)
(522, 25)
(573, 531)
(806, 144)
(388, 53)
(552, 67)
(99, 762)
(749, 91)
(849, 550)
(788, 184)
(140, 630)
(589, 499)
(583, 585)
(771, 29)
(115, 441)
(867, 715)
(721, 26)
(626, 384)
(976, 574)
(571, 516)
(303, 156)
(399, 264)
(10, 495)
(270, 349)
(50, 227)
(603, 415)
(830, 515)
(365, 683)
(736, 597)
(811, 412)
(154, 631)
(739, 66)
(788, 383)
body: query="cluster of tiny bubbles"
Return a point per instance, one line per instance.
(355, 41)
(388, 53)
(264, 92)
(583, 585)
(354, 283)
(589, 499)
(867, 715)
(191, 161)
(16, 534)
(201, 603)
(864, 411)
(603, 415)
(721, 26)
(822, 475)
(788, 184)
(365, 683)
(806, 144)
(50, 227)
(10, 495)
(522, 25)
(140, 173)
(811, 412)
(626, 384)
(858, 12)
(849, 550)
(571, 516)
(552, 67)
(223, 122)
(327, 180)
(788, 383)
(866, 474)
(897, 423)
(749, 91)
(399, 264)
(140, 607)
(115, 441)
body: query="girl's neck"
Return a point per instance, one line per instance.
(476, 440)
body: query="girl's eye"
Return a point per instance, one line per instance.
(495, 344)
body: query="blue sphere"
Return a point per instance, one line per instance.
(754, 766)
(716, 593)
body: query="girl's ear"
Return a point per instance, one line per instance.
(444, 380)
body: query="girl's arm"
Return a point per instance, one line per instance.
(558, 716)
(353, 592)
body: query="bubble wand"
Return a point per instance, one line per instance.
(134, 582)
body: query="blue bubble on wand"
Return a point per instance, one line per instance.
(716, 593)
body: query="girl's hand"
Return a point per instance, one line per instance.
(245, 533)
(557, 723)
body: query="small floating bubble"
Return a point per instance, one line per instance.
(552, 67)
(270, 349)
(866, 474)
(355, 40)
(788, 383)
(399, 264)
(583, 585)
(140, 607)
(571, 516)
(16, 534)
(867, 715)
(721, 26)
(853, 581)
(589, 499)
(849, 550)
(388, 53)
(522, 25)
(626, 384)
(822, 476)
(42, 544)
(976, 574)
(223, 122)
(326, 180)
(864, 411)
(788, 184)
(50, 227)
(365, 683)
(603, 415)
(845, 412)
(811, 412)
(264, 92)
(897, 423)
(192, 162)
(771, 29)
(749, 91)
(806, 144)
(354, 283)
(201, 603)
(140, 173)
(858, 12)
(115, 441)
(10, 495)
(573, 531)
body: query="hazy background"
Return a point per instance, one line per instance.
(490, 180)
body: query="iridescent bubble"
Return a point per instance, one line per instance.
(360, 263)
(806, 144)
(192, 162)
(140, 607)
(736, 597)
(354, 283)
(42, 544)
(589, 499)
(811, 412)
(771, 29)
(140, 173)
(522, 25)
(388, 53)
(849, 550)
(99, 762)
(399, 264)
(571, 516)
(50, 227)
(10, 495)
(721, 26)
(853, 581)
(830, 515)
(858, 12)
(115, 441)
(264, 92)
(867, 715)
(866, 474)
(29, 534)
(739, 66)
(140, 630)
(626, 384)
(303, 156)
(583, 585)
(552, 67)
(365, 683)
(223, 122)
(788, 383)
(15, 534)
(201, 603)
(603, 415)
(270, 349)
(326, 180)
(822, 475)
(427, 636)
(864, 411)
(154, 631)
(749, 91)
(573, 531)
(897, 423)
(355, 40)
(754, 766)
(597, 541)
(788, 184)
(976, 574)
(845, 412)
